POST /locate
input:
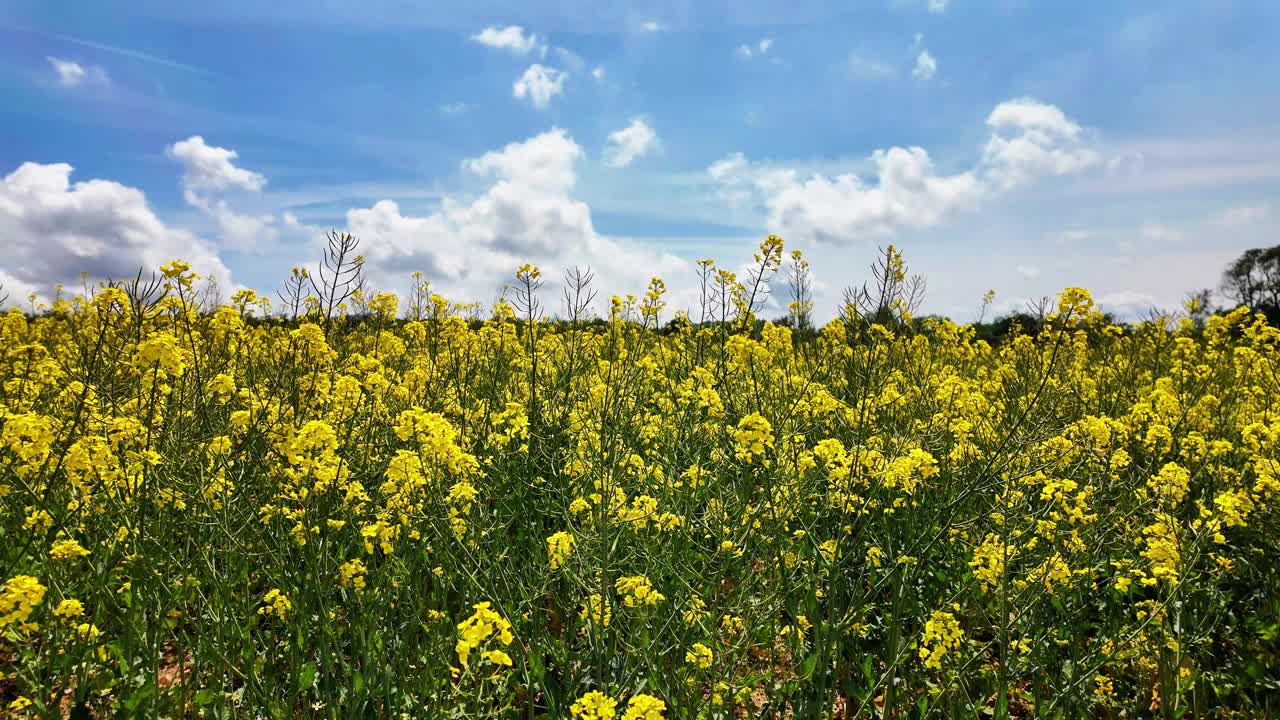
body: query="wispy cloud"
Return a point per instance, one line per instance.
(862, 67)
(117, 50)
(1243, 215)
(72, 74)
(746, 52)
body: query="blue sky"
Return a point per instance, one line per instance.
(1131, 148)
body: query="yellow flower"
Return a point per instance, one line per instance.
(942, 634)
(637, 591)
(18, 597)
(275, 603)
(498, 657)
(752, 438)
(733, 625)
(351, 575)
(67, 550)
(644, 707)
(875, 555)
(595, 705)
(484, 625)
(699, 655)
(559, 546)
(87, 631)
(596, 610)
(38, 521)
(69, 608)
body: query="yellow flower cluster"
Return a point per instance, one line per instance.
(637, 591)
(484, 626)
(276, 603)
(942, 634)
(19, 596)
(559, 547)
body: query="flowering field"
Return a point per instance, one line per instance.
(407, 508)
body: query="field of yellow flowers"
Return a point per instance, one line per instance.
(378, 508)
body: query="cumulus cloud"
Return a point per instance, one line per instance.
(55, 229)
(598, 72)
(626, 145)
(908, 193)
(207, 167)
(926, 66)
(470, 246)
(938, 6)
(539, 84)
(209, 171)
(73, 74)
(512, 38)
(652, 26)
(1029, 140)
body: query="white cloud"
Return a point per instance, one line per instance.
(746, 52)
(1157, 232)
(544, 162)
(938, 6)
(652, 26)
(1043, 141)
(862, 67)
(570, 60)
(1243, 215)
(55, 229)
(1073, 237)
(512, 38)
(73, 74)
(453, 108)
(470, 246)
(598, 72)
(539, 83)
(1028, 271)
(626, 145)
(209, 171)
(926, 66)
(1129, 304)
(208, 167)
(908, 191)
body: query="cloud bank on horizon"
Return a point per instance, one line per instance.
(645, 143)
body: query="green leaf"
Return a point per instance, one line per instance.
(307, 677)
(205, 697)
(806, 668)
(536, 669)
